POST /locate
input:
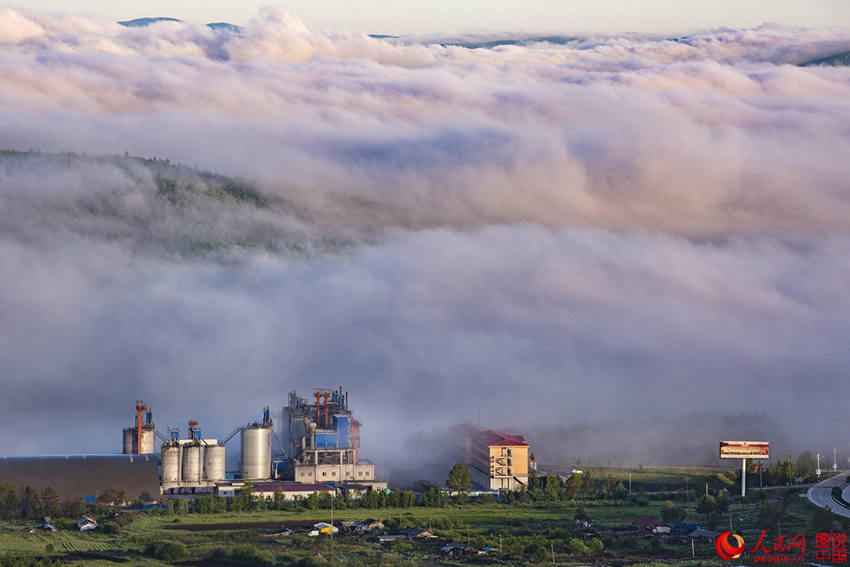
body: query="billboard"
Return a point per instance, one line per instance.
(744, 450)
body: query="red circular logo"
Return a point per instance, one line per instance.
(728, 550)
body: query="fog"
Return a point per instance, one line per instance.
(549, 234)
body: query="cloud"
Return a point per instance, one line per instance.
(546, 232)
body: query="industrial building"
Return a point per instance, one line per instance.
(76, 477)
(323, 441)
(321, 454)
(496, 460)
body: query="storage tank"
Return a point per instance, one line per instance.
(192, 463)
(170, 464)
(148, 440)
(256, 452)
(214, 463)
(129, 437)
(131, 441)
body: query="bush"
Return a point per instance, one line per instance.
(110, 528)
(168, 551)
(577, 547)
(313, 561)
(245, 553)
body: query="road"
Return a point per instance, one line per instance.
(821, 494)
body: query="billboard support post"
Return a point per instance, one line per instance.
(744, 450)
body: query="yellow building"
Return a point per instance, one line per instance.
(496, 460)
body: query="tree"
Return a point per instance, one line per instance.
(769, 516)
(671, 513)
(49, 502)
(77, 509)
(433, 497)
(533, 479)
(707, 505)
(806, 465)
(30, 503)
(620, 490)
(278, 498)
(8, 500)
(553, 486)
(459, 478)
(573, 486)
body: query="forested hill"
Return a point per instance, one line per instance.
(158, 206)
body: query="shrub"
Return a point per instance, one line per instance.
(110, 528)
(577, 547)
(168, 551)
(245, 553)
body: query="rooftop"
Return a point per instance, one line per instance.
(490, 437)
(291, 487)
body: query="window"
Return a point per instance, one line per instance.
(324, 474)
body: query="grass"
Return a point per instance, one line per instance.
(519, 525)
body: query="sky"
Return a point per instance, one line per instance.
(451, 16)
(598, 229)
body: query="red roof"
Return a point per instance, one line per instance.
(490, 437)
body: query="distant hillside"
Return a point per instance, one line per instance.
(158, 206)
(144, 22)
(837, 60)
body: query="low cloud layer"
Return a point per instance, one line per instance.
(598, 228)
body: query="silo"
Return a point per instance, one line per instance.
(148, 440)
(256, 452)
(214, 463)
(192, 463)
(129, 437)
(170, 464)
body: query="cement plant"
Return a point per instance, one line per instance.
(315, 447)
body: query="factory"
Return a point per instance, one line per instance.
(323, 440)
(321, 449)
(496, 460)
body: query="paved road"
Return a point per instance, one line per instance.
(821, 494)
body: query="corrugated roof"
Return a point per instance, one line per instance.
(291, 487)
(80, 476)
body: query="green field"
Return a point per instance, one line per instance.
(530, 533)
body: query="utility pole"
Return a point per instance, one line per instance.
(500, 545)
(818, 469)
(687, 494)
(552, 547)
(834, 461)
(630, 483)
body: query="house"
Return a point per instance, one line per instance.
(625, 530)
(457, 549)
(496, 460)
(418, 533)
(367, 526)
(700, 533)
(390, 538)
(647, 524)
(322, 528)
(680, 528)
(85, 524)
